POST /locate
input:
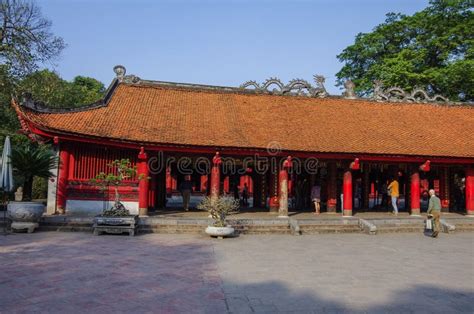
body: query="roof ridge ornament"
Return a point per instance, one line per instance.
(120, 72)
(295, 87)
(349, 93)
(397, 94)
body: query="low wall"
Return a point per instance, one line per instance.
(92, 208)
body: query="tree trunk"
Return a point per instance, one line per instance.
(117, 195)
(27, 189)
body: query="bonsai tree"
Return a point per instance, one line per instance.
(121, 170)
(29, 161)
(219, 208)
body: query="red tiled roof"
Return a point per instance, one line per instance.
(186, 116)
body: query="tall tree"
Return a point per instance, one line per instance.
(25, 36)
(432, 49)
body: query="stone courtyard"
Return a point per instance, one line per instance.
(58, 272)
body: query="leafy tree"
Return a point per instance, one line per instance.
(7, 116)
(45, 86)
(25, 36)
(48, 87)
(31, 161)
(85, 90)
(432, 49)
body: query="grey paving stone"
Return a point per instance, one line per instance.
(158, 273)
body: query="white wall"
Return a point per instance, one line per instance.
(92, 208)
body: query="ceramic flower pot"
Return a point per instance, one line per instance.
(25, 215)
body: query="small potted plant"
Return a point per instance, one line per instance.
(116, 219)
(219, 208)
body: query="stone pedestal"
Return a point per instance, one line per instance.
(115, 225)
(29, 226)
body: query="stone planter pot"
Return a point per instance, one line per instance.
(25, 215)
(115, 225)
(219, 232)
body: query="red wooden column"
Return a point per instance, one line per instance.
(226, 185)
(273, 192)
(142, 183)
(470, 191)
(283, 189)
(347, 188)
(332, 188)
(63, 176)
(215, 176)
(366, 185)
(347, 192)
(444, 188)
(415, 193)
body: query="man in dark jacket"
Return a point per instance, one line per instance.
(186, 187)
(434, 209)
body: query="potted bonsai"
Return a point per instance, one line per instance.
(29, 161)
(116, 219)
(219, 208)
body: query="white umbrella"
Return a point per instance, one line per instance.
(6, 176)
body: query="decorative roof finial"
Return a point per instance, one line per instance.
(120, 71)
(349, 92)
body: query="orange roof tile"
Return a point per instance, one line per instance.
(186, 116)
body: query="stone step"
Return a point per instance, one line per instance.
(326, 228)
(464, 227)
(329, 231)
(242, 229)
(399, 229)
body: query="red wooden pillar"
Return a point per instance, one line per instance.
(347, 188)
(283, 189)
(444, 188)
(347, 192)
(169, 181)
(415, 193)
(152, 192)
(366, 184)
(332, 188)
(72, 162)
(215, 176)
(142, 183)
(63, 176)
(204, 183)
(470, 191)
(273, 192)
(226, 185)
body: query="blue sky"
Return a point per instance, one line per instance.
(212, 42)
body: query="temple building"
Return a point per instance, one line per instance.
(276, 140)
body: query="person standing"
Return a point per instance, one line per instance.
(394, 194)
(236, 192)
(316, 198)
(434, 209)
(186, 188)
(245, 195)
(382, 193)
